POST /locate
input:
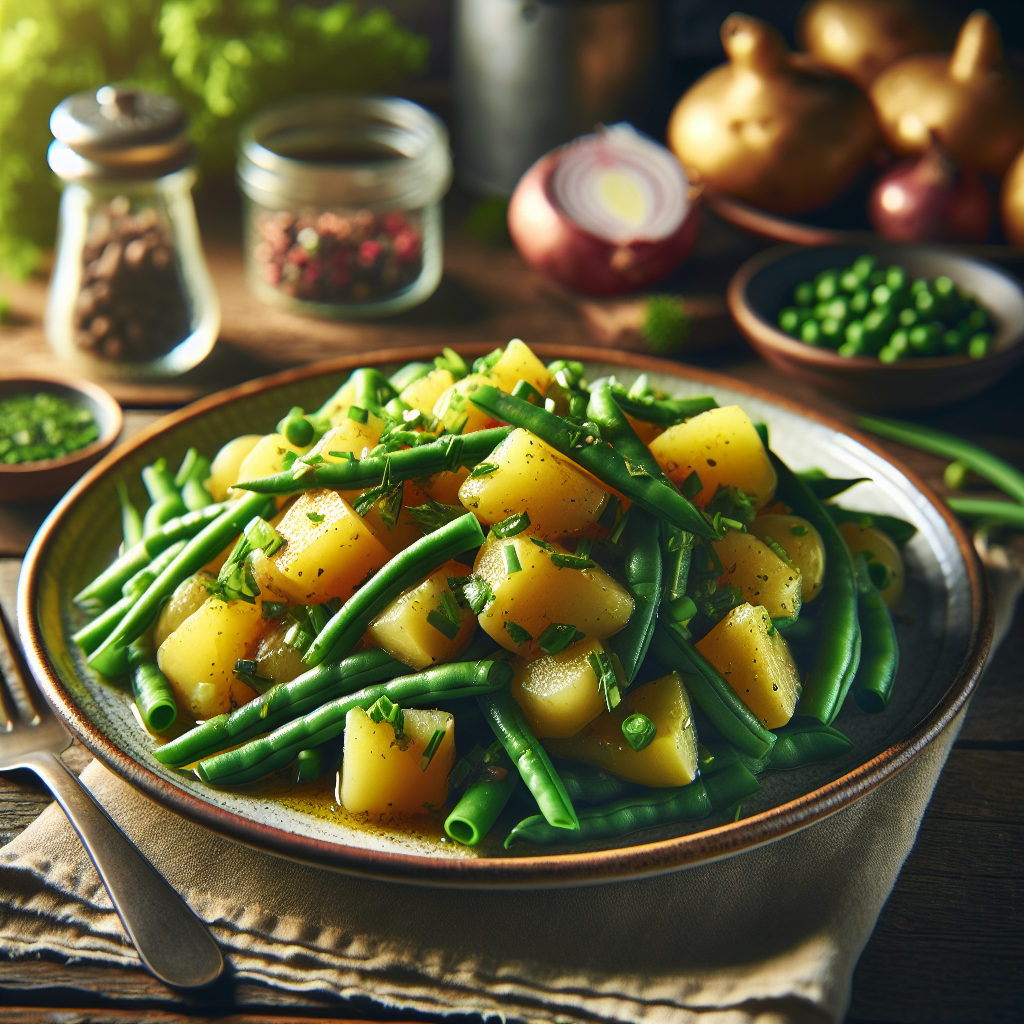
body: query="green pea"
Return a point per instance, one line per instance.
(978, 346)
(908, 317)
(854, 333)
(850, 349)
(789, 319)
(878, 319)
(820, 310)
(920, 285)
(810, 332)
(832, 331)
(952, 341)
(888, 355)
(924, 302)
(881, 295)
(827, 286)
(896, 278)
(899, 344)
(864, 265)
(803, 294)
(849, 280)
(944, 288)
(837, 309)
(860, 302)
(901, 299)
(875, 278)
(298, 431)
(978, 319)
(923, 339)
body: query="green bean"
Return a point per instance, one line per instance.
(880, 657)
(665, 412)
(310, 764)
(1007, 478)
(280, 704)
(825, 487)
(164, 495)
(194, 494)
(447, 453)
(837, 651)
(91, 635)
(131, 521)
(483, 800)
(898, 530)
(187, 467)
(801, 744)
(676, 552)
(591, 785)
(651, 807)
(410, 566)
(111, 659)
(1006, 513)
(597, 457)
(713, 695)
(266, 754)
(402, 378)
(154, 697)
(107, 586)
(509, 725)
(371, 389)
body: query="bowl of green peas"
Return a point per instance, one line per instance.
(882, 326)
(51, 432)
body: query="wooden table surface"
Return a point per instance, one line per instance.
(949, 945)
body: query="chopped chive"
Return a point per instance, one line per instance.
(571, 561)
(315, 517)
(383, 710)
(358, 414)
(348, 456)
(483, 469)
(779, 551)
(519, 635)
(512, 526)
(473, 591)
(798, 530)
(431, 749)
(639, 731)
(443, 624)
(558, 636)
(607, 679)
(541, 543)
(511, 557)
(584, 547)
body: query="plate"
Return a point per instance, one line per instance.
(943, 643)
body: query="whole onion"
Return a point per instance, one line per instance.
(605, 214)
(931, 198)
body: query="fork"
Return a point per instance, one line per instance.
(169, 938)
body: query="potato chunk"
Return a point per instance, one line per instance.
(802, 544)
(189, 596)
(458, 414)
(518, 363)
(540, 593)
(267, 457)
(383, 776)
(444, 487)
(754, 660)
(275, 660)
(199, 657)
(350, 436)
(404, 628)
(724, 448)
(671, 757)
(880, 548)
(532, 477)
(763, 577)
(326, 556)
(226, 464)
(559, 693)
(424, 392)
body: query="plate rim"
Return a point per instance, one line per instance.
(541, 871)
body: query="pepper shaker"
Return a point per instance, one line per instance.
(130, 294)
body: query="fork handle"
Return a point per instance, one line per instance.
(172, 942)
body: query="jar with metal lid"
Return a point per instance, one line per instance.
(130, 294)
(342, 196)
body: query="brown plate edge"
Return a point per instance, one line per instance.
(552, 870)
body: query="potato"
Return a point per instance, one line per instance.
(458, 414)
(724, 448)
(532, 477)
(383, 777)
(880, 547)
(199, 657)
(763, 577)
(406, 531)
(227, 462)
(647, 432)
(276, 660)
(518, 363)
(350, 436)
(671, 757)
(541, 593)
(423, 393)
(559, 693)
(320, 559)
(189, 596)
(802, 544)
(267, 457)
(444, 487)
(754, 660)
(336, 408)
(403, 630)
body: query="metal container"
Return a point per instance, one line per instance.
(130, 295)
(531, 75)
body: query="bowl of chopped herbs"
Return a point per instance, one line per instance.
(51, 432)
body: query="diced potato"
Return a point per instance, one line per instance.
(458, 414)
(802, 544)
(518, 363)
(444, 487)
(881, 548)
(324, 557)
(532, 477)
(189, 596)
(383, 777)
(214, 566)
(276, 660)
(226, 464)
(267, 457)
(424, 392)
(559, 693)
(724, 448)
(671, 757)
(754, 660)
(541, 593)
(336, 408)
(763, 577)
(350, 436)
(406, 531)
(199, 657)
(403, 630)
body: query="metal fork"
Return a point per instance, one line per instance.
(172, 942)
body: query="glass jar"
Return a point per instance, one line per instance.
(130, 295)
(342, 204)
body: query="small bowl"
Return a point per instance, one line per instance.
(26, 481)
(764, 285)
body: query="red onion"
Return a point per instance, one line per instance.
(933, 199)
(605, 214)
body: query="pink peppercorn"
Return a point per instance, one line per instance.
(368, 252)
(407, 245)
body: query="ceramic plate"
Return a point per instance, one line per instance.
(943, 636)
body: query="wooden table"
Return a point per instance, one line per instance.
(950, 942)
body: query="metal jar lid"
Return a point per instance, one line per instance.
(118, 132)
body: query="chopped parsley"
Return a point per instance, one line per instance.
(519, 635)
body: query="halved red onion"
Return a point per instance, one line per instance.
(605, 214)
